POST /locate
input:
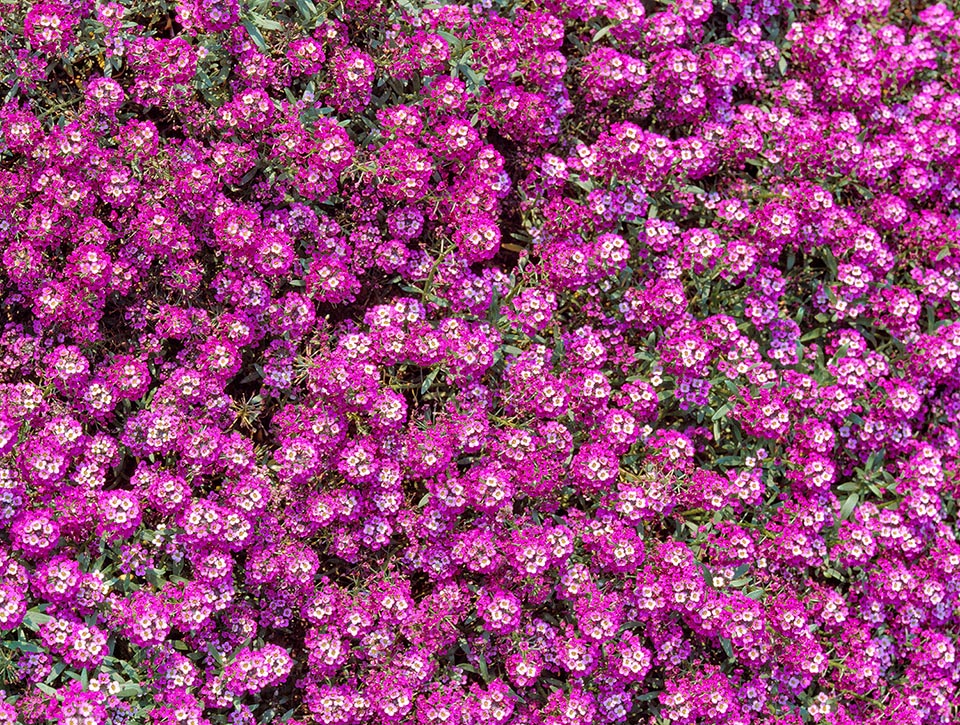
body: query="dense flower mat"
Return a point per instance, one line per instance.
(534, 361)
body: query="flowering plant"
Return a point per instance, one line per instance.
(542, 363)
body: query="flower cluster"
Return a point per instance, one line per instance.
(506, 363)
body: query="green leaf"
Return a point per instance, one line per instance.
(476, 79)
(265, 23)
(849, 505)
(484, 673)
(428, 381)
(602, 32)
(721, 412)
(126, 667)
(840, 354)
(56, 671)
(727, 649)
(307, 9)
(47, 689)
(256, 35)
(451, 39)
(23, 646)
(830, 261)
(34, 618)
(409, 7)
(215, 653)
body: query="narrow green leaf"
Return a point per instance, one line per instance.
(256, 35)
(23, 646)
(34, 618)
(849, 505)
(721, 412)
(428, 381)
(603, 32)
(265, 23)
(727, 648)
(307, 9)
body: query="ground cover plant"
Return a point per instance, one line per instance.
(533, 361)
